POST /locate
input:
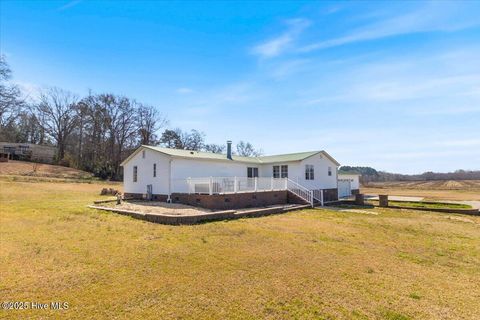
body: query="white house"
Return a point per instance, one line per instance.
(159, 173)
(348, 184)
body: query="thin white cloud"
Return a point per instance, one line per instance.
(184, 90)
(459, 143)
(279, 44)
(69, 5)
(30, 91)
(284, 69)
(423, 84)
(428, 18)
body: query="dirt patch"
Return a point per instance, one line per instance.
(24, 168)
(157, 207)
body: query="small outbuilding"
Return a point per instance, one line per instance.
(348, 184)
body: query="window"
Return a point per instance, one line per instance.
(276, 171)
(309, 173)
(329, 171)
(143, 154)
(154, 170)
(284, 172)
(135, 173)
(252, 172)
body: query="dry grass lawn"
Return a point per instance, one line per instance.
(311, 264)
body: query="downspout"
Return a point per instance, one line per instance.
(169, 199)
(337, 180)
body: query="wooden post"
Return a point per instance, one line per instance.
(256, 184)
(383, 200)
(119, 198)
(235, 186)
(210, 186)
(359, 199)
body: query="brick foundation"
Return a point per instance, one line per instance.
(355, 191)
(235, 200)
(232, 201)
(140, 196)
(227, 201)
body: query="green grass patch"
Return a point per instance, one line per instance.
(431, 205)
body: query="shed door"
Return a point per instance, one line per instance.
(344, 188)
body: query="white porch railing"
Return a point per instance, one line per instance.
(318, 196)
(220, 185)
(300, 191)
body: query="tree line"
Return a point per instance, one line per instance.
(94, 133)
(369, 174)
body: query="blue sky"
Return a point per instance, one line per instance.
(395, 86)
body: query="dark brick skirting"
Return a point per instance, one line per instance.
(140, 196)
(330, 195)
(236, 200)
(227, 201)
(355, 191)
(232, 201)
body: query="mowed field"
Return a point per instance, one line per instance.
(433, 190)
(311, 264)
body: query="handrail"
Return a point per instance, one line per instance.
(318, 195)
(300, 191)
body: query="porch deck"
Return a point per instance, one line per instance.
(233, 185)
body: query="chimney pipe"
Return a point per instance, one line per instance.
(229, 149)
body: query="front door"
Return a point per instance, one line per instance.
(251, 174)
(344, 188)
(149, 192)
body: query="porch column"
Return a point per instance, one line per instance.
(210, 186)
(256, 184)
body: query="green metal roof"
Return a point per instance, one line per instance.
(201, 155)
(220, 156)
(287, 157)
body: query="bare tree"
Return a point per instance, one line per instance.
(215, 148)
(11, 102)
(149, 122)
(57, 109)
(178, 139)
(246, 149)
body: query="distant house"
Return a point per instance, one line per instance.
(28, 151)
(198, 177)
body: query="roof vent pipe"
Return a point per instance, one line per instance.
(229, 149)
